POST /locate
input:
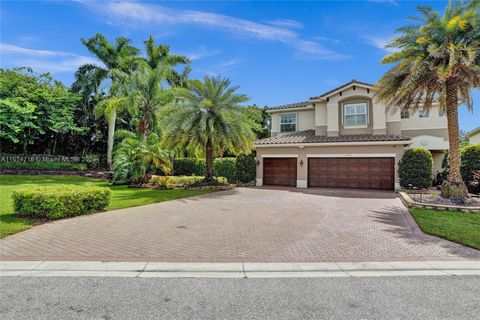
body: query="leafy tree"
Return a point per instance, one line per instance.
(209, 118)
(137, 156)
(440, 57)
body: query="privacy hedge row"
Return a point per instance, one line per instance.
(415, 168)
(240, 169)
(55, 202)
(170, 182)
(57, 166)
(470, 163)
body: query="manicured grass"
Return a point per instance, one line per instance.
(122, 196)
(455, 226)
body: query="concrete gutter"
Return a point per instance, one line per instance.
(236, 270)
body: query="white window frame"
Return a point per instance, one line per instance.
(421, 111)
(280, 122)
(355, 125)
(404, 112)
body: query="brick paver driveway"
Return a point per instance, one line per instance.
(244, 224)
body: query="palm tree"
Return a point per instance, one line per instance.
(145, 93)
(138, 156)
(439, 58)
(118, 57)
(209, 118)
(160, 55)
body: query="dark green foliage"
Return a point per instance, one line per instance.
(415, 168)
(60, 201)
(54, 166)
(470, 163)
(189, 167)
(226, 167)
(246, 168)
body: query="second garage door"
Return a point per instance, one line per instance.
(280, 171)
(355, 173)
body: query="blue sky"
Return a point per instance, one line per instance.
(278, 52)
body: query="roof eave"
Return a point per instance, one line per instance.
(327, 144)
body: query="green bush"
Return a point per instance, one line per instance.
(226, 167)
(189, 167)
(171, 182)
(470, 163)
(55, 202)
(415, 168)
(56, 166)
(246, 168)
(91, 160)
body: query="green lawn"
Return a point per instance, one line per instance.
(455, 226)
(122, 197)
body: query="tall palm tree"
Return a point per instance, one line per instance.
(117, 57)
(209, 118)
(144, 93)
(438, 58)
(160, 55)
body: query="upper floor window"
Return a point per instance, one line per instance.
(405, 114)
(442, 112)
(355, 114)
(288, 122)
(423, 113)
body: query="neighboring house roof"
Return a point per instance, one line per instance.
(473, 132)
(309, 136)
(304, 104)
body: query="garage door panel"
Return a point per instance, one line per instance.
(280, 171)
(357, 173)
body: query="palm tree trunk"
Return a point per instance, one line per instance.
(453, 187)
(111, 132)
(209, 160)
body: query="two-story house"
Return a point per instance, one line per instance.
(345, 138)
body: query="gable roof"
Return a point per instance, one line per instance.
(305, 104)
(308, 136)
(473, 132)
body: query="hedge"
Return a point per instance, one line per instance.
(54, 166)
(240, 169)
(415, 168)
(170, 182)
(470, 163)
(55, 202)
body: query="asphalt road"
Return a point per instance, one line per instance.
(438, 297)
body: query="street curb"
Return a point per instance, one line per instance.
(236, 270)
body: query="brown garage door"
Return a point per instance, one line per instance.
(356, 173)
(280, 171)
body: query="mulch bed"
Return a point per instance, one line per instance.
(434, 197)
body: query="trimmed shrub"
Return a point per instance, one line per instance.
(470, 163)
(91, 160)
(246, 168)
(54, 166)
(415, 168)
(55, 202)
(171, 182)
(189, 167)
(226, 167)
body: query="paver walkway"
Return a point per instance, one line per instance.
(242, 225)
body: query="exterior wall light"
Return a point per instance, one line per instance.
(301, 163)
(258, 163)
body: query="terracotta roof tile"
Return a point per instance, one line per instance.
(291, 105)
(309, 136)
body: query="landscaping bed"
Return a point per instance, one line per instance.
(432, 200)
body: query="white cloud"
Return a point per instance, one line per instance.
(42, 60)
(390, 2)
(286, 23)
(134, 13)
(201, 53)
(379, 42)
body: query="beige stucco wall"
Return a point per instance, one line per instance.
(305, 120)
(474, 139)
(433, 121)
(333, 151)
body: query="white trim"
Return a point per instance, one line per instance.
(339, 144)
(290, 109)
(301, 183)
(424, 128)
(367, 115)
(259, 182)
(280, 122)
(346, 88)
(363, 126)
(351, 155)
(393, 120)
(277, 155)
